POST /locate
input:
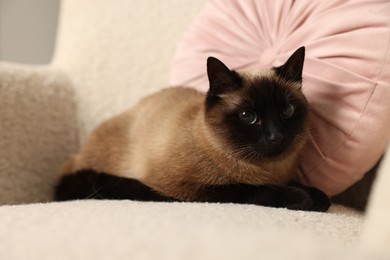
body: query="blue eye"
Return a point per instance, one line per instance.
(248, 117)
(288, 112)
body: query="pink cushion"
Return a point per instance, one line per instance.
(346, 76)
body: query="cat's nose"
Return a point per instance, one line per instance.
(275, 138)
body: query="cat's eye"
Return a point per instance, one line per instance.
(248, 117)
(288, 112)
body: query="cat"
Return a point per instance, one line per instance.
(238, 143)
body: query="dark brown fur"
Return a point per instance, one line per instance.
(188, 146)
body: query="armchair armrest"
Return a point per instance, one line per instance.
(376, 233)
(37, 131)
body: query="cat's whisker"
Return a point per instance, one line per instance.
(95, 192)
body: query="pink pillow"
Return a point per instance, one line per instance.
(346, 76)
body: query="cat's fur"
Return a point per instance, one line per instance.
(180, 144)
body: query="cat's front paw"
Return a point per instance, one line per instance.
(289, 197)
(295, 199)
(320, 201)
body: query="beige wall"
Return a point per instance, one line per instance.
(27, 30)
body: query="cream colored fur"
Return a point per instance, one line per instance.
(168, 143)
(108, 55)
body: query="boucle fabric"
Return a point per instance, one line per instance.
(138, 230)
(346, 75)
(119, 53)
(38, 129)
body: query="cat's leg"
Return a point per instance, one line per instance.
(89, 184)
(321, 202)
(294, 196)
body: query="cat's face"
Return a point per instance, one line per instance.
(260, 115)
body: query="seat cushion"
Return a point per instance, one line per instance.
(346, 75)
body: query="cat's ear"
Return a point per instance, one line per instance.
(292, 69)
(221, 78)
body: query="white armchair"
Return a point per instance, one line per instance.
(108, 54)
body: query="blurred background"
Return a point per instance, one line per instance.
(27, 30)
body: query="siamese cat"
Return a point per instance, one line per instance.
(239, 143)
